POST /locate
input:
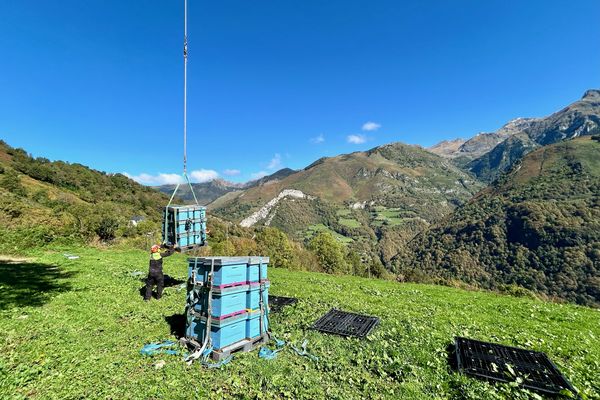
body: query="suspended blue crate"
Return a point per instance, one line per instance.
(185, 226)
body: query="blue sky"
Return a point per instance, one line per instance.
(281, 82)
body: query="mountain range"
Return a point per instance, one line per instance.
(399, 201)
(206, 192)
(537, 227)
(395, 184)
(487, 155)
(365, 198)
(516, 208)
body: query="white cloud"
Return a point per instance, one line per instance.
(371, 126)
(203, 175)
(274, 165)
(259, 174)
(231, 172)
(356, 139)
(318, 139)
(275, 162)
(155, 180)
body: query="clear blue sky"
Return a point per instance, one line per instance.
(100, 82)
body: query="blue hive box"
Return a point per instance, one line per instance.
(254, 265)
(222, 332)
(225, 302)
(253, 324)
(185, 226)
(253, 296)
(228, 271)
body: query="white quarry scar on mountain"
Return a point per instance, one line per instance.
(266, 209)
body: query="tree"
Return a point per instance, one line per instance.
(274, 243)
(330, 253)
(107, 228)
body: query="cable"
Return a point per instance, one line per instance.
(185, 87)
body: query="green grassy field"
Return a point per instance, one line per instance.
(74, 328)
(389, 216)
(314, 229)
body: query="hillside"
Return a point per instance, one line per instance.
(70, 332)
(41, 200)
(537, 227)
(578, 119)
(355, 195)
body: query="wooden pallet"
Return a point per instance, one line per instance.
(242, 346)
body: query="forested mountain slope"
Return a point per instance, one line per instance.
(537, 227)
(43, 200)
(387, 185)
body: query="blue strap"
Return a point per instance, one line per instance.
(159, 348)
(303, 352)
(218, 364)
(269, 354)
(205, 357)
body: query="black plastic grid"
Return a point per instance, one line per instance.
(276, 303)
(491, 362)
(345, 324)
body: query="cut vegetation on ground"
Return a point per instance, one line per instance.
(76, 328)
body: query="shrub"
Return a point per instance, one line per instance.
(330, 253)
(11, 182)
(107, 228)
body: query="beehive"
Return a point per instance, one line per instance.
(236, 286)
(185, 226)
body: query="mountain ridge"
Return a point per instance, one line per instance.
(581, 118)
(537, 227)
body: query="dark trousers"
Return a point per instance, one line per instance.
(154, 278)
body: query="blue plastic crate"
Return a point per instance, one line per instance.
(225, 301)
(253, 296)
(253, 324)
(222, 333)
(186, 226)
(253, 268)
(227, 270)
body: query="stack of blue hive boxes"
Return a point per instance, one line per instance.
(235, 288)
(185, 226)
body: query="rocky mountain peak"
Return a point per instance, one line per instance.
(592, 94)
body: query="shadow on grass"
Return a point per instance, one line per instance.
(177, 324)
(169, 282)
(30, 284)
(452, 362)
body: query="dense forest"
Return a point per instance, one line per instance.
(537, 227)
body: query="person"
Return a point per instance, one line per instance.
(155, 272)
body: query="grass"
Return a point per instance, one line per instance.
(350, 222)
(80, 334)
(316, 228)
(389, 216)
